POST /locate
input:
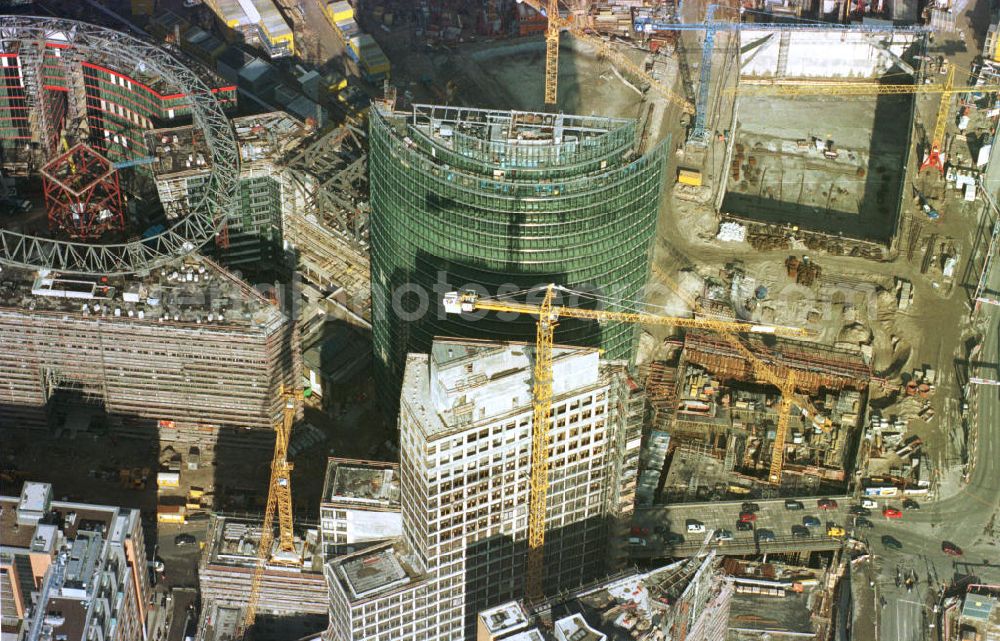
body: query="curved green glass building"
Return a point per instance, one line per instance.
(501, 201)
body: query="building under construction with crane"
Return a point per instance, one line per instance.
(722, 422)
(465, 480)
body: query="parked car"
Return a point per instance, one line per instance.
(910, 504)
(810, 521)
(800, 531)
(869, 503)
(750, 506)
(748, 517)
(637, 541)
(863, 522)
(763, 534)
(950, 548)
(891, 542)
(792, 504)
(860, 511)
(695, 527)
(835, 530)
(892, 513)
(184, 539)
(826, 504)
(723, 535)
(743, 526)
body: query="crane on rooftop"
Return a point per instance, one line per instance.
(548, 314)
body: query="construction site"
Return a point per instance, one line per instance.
(780, 224)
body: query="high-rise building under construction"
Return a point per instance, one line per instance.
(502, 201)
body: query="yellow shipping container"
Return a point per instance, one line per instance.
(170, 513)
(689, 177)
(339, 11)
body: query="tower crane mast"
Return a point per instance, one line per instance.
(548, 315)
(279, 500)
(555, 24)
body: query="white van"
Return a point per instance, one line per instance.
(869, 503)
(695, 527)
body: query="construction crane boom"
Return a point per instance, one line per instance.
(783, 87)
(457, 302)
(279, 499)
(548, 316)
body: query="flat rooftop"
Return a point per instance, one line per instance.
(193, 293)
(68, 518)
(361, 483)
(782, 171)
(480, 380)
(375, 570)
(504, 618)
(233, 542)
(178, 151)
(268, 136)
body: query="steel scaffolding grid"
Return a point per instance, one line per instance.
(26, 37)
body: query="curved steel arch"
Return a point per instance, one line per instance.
(206, 217)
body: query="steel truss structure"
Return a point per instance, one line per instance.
(28, 36)
(82, 194)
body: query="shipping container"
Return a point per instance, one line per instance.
(170, 513)
(168, 479)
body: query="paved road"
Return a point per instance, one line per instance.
(724, 514)
(967, 519)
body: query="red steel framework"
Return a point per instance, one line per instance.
(82, 194)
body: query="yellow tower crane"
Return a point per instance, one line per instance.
(555, 24)
(279, 499)
(934, 158)
(782, 378)
(548, 315)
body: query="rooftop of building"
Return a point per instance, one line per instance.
(233, 542)
(575, 628)
(508, 145)
(178, 151)
(268, 137)
(376, 570)
(193, 293)
(504, 618)
(979, 607)
(633, 605)
(361, 483)
(463, 382)
(61, 520)
(80, 534)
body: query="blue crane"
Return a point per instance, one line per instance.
(135, 162)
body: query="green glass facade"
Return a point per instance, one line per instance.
(501, 201)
